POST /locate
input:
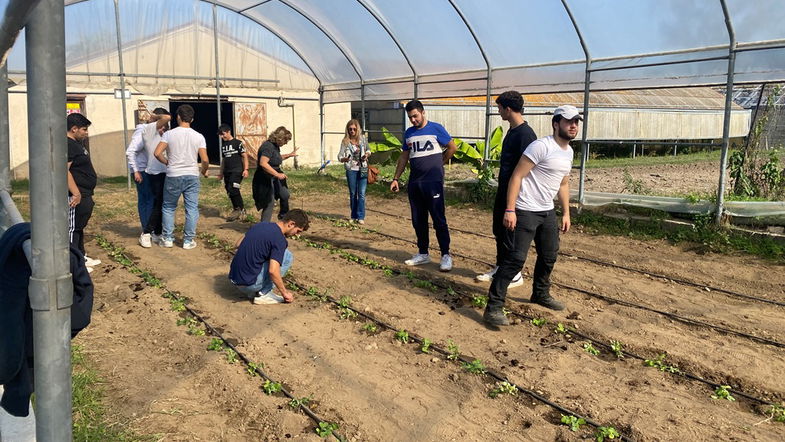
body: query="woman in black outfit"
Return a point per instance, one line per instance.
(269, 182)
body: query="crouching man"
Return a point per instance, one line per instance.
(263, 258)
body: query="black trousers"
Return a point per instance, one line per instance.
(541, 227)
(232, 180)
(157, 187)
(77, 220)
(499, 205)
(425, 198)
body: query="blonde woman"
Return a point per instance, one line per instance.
(269, 181)
(354, 156)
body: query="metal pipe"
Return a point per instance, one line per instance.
(586, 92)
(728, 103)
(15, 16)
(664, 63)
(51, 288)
(122, 84)
(321, 124)
(170, 77)
(362, 105)
(217, 83)
(754, 114)
(383, 24)
(5, 139)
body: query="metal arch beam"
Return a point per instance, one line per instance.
(395, 40)
(486, 151)
(726, 119)
(586, 92)
(14, 18)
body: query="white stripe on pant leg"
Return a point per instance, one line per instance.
(71, 223)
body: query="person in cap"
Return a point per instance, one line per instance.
(542, 173)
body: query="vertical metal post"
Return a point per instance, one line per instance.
(675, 145)
(416, 87)
(726, 118)
(5, 138)
(362, 105)
(217, 80)
(51, 289)
(321, 124)
(486, 155)
(634, 148)
(294, 139)
(122, 83)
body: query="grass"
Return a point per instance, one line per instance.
(90, 420)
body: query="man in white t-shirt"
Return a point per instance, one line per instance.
(542, 173)
(182, 145)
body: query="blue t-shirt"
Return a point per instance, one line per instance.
(263, 242)
(425, 151)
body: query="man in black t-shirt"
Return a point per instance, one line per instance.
(234, 168)
(81, 183)
(518, 137)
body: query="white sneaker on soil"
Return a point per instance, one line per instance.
(156, 239)
(360, 221)
(190, 244)
(145, 240)
(166, 243)
(518, 280)
(267, 298)
(90, 262)
(485, 277)
(89, 270)
(446, 263)
(418, 259)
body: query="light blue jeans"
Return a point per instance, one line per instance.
(188, 187)
(357, 186)
(263, 281)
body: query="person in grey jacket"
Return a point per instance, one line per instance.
(354, 156)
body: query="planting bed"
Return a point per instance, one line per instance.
(165, 381)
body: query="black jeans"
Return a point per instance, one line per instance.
(157, 186)
(499, 205)
(77, 221)
(544, 230)
(232, 180)
(424, 198)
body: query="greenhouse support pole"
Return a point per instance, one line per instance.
(51, 289)
(217, 82)
(726, 119)
(122, 86)
(321, 124)
(362, 104)
(5, 144)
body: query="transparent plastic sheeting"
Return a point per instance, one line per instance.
(530, 45)
(744, 209)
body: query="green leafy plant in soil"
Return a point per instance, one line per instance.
(777, 413)
(589, 348)
(297, 403)
(618, 349)
(402, 335)
(573, 422)
(538, 322)
(474, 367)
(721, 392)
(503, 388)
(325, 428)
(426, 345)
(215, 345)
(270, 387)
(479, 301)
(370, 328)
(659, 363)
(603, 433)
(453, 351)
(252, 367)
(231, 355)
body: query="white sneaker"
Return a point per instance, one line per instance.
(145, 241)
(188, 245)
(360, 221)
(267, 298)
(156, 239)
(518, 280)
(89, 270)
(485, 277)
(418, 259)
(446, 264)
(90, 262)
(166, 243)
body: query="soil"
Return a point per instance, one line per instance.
(164, 382)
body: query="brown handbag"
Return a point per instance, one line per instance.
(373, 173)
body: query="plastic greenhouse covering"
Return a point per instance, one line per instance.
(384, 49)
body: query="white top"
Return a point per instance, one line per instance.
(151, 138)
(137, 156)
(182, 151)
(551, 165)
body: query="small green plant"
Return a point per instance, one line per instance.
(424, 284)
(389, 273)
(402, 335)
(297, 403)
(632, 185)
(345, 301)
(539, 322)
(252, 366)
(426, 345)
(721, 392)
(503, 388)
(777, 413)
(450, 291)
(618, 349)
(659, 363)
(325, 428)
(480, 301)
(270, 387)
(370, 328)
(231, 356)
(573, 422)
(452, 349)
(589, 348)
(506, 311)
(603, 433)
(347, 313)
(560, 328)
(216, 344)
(474, 367)
(189, 321)
(195, 331)
(177, 305)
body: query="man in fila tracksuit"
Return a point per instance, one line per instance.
(427, 147)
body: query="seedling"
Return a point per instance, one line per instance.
(326, 428)
(345, 301)
(252, 368)
(590, 349)
(216, 345)
(506, 311)
(603, 433)
(389, 272)
(480, 301)
(189, 321)
(347, 313)
(450, 291)
(270, 387)
(560, 328)
(573, 422)
(778, 413)
(660, 364)
(297, 403)
(474, 367)
(721, 392)
(426, 345)
(539, 322)
(503, 388)
(452, 348)
(402, 335)
(177, 305)
(195, 331)
(370, 328)
(618, 349)
(231, 356)
(423, 284)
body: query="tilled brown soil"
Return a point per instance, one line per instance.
(379, 389)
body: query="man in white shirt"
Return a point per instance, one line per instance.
(182, 144)
(542, 173)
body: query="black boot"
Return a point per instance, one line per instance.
(548, 302)
(495, 317)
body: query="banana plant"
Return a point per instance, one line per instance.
(386, 152)
(473, 154)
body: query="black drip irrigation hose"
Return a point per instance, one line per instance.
(622, 267)
(598, 342)
(612, 300)
(214, 332)
(461, 357)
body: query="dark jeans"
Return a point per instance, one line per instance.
(499, 205)
(77, 220)
(232, 180)
(541, 227)
(157, 182)
(144, 199)
(425, 198)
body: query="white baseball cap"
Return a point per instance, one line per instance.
(568, 112)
